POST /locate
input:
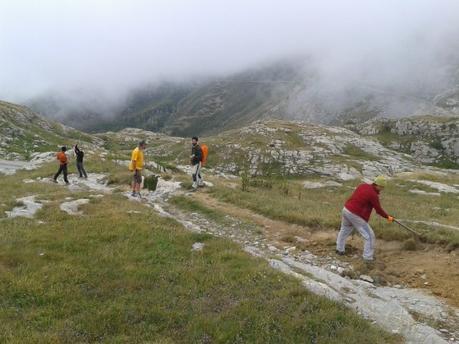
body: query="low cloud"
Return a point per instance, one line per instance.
(103, 49)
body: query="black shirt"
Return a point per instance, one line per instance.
(79, 154)
(196, 151)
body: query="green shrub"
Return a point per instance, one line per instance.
(436, 144)
(258, 182)
(447, 163)
(151, 182)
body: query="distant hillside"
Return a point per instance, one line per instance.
(262, 147)
(283, 90)
(201, 107)
(23, 132)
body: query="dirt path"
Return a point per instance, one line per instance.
(432, 268)
(418, 317)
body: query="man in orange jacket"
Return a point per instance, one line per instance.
(63, 161)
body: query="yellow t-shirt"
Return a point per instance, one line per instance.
(137, 156)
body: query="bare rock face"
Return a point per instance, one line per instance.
(448, 100)
(71, 207)
(282, 148)
(27, 208)
(428, 139)
(421, 151)
(298, 149)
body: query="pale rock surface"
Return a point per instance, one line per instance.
(28, 210)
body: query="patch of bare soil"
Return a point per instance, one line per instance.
(431, 268)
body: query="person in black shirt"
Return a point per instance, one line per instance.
(196, 159)
(79, 161)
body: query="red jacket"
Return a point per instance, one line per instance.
(364, 198)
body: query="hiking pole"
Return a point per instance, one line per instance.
(407, 228)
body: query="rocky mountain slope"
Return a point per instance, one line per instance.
(276, 147)
(279, 148)
(23, 133)
(429, 139)
(291, 90)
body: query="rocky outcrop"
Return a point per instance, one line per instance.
(276, 147)
(23, 133)
(297, 148)
(449, 100)
(432, 140)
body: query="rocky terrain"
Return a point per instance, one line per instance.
(295, 166)
(394, 308)
(430, 140)
(280, 148)
(24, 133)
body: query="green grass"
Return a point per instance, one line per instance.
(114, 277)
(386, 138)
(359, 153)
(35, 134)
(447, 163)
(288, 201)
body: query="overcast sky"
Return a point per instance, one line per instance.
(111, 46)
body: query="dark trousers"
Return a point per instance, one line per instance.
(62, 168)
(81, 169)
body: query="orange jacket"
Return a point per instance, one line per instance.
(62, 158)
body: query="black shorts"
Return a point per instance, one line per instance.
(137, 177)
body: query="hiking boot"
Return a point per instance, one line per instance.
(137, 195)
(194, 186)
(339, 253)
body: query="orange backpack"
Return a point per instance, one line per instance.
(205, 152)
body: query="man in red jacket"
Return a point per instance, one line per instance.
(356, 214)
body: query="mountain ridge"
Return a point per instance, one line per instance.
(292, 90)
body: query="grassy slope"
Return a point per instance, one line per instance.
(36, 134)
(211, 106)
(115, 277)
(286, 199)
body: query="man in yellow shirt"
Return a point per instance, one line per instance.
(136, 166)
